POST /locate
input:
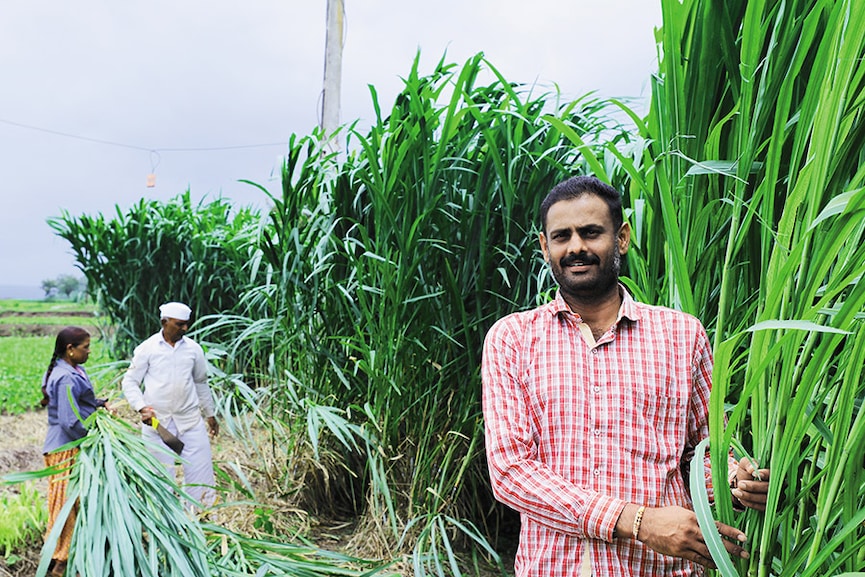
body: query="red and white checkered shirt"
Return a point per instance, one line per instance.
(575, 431)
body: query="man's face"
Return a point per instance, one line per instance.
(581, 247)
(174, 329)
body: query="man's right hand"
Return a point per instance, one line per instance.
(147, 413)
(675, 531)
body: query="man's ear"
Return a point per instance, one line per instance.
(623, 239)
(542, 239)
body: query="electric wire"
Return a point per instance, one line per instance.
(157, 150)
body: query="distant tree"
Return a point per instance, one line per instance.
(50, 288)
(66, 286)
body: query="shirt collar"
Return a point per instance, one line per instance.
(627, 310)
(163, 341)
(69, 367)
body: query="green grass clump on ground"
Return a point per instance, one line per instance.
(24, 517)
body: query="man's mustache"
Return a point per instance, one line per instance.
(582, 257)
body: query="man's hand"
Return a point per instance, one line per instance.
(147, 413)
(752, 485)
(675, 531)
(213, 425)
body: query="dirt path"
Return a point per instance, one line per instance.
(22, 437)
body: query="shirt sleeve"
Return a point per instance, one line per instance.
(199, 377)
(519, 478)
(68, 409)
(131, 383)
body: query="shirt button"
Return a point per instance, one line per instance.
(597, 389)
(597, 472)
(594, 351)
(597, 432)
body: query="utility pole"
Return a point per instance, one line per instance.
(332, 74)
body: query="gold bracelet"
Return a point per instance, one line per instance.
(638, 519)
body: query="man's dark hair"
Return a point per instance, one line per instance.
(576, 187)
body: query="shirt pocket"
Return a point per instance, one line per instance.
(659, 428)
(184, 366)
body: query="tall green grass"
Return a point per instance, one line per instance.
(159, 252)
(755, 222)
(385, 270)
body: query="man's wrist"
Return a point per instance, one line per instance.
(638, 520)
(626, 521)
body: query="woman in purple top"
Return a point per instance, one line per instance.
(69, 397)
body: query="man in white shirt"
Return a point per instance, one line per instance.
(173, 372)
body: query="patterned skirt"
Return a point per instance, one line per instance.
(57, 498)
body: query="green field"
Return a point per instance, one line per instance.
(24, 359)
(44, 307)
(47, 320)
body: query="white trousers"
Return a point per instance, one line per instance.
(197, 460)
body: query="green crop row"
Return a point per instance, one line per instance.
(44, 307)
(23, 362)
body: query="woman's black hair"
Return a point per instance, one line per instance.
(69, 336)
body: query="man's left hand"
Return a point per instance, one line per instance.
(752, 485)
(213, 425)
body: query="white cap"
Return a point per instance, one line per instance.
(177, 311)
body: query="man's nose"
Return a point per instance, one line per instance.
(577, 244)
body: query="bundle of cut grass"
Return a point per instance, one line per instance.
(131, 519)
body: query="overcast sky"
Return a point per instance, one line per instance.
(194, 74)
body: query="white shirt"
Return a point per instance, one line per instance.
(174, 381)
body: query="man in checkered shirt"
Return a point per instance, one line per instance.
(593, 404)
